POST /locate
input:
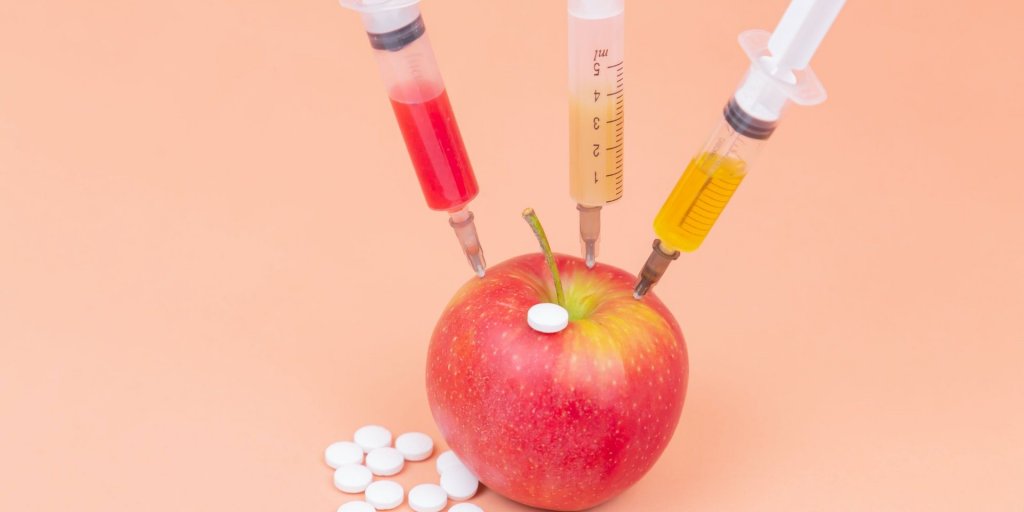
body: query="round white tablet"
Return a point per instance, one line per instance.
(547, 317)
(352, 478)
(446, 461)
(385, 461)
(357, 506)
(459, 483)
(384, 494)
(427, 498)
(415, 446)
(465, 507)
(343, 452)
(372, 436)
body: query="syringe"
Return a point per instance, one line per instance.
(778, 73)
(596, 112)
(420, 101)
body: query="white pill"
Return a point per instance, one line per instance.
(343, 452)
(446, 461)
(547, 317)
(428, 498)
(352, 478)
(415, 446)
(465, 507)
(459, 483)
(385, 461)
(372, 436)
(357, 506)
(385, 494)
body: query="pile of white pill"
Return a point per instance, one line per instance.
(370, 453)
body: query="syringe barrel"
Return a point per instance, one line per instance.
(596, 101)
(710, 180)
(407, 63)
(414, 84)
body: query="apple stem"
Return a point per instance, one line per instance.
(531, 218)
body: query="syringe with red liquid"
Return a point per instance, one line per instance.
(420, 101)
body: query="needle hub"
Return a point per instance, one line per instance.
(465, 230)
(590, 232)
(655, 267)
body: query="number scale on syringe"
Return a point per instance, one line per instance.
(597, 158)
(597, 89)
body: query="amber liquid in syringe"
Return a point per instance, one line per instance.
(597, 112)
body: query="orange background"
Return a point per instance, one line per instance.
(214, 259)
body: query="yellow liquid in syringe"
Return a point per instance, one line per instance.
(697, 200)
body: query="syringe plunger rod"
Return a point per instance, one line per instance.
(800, 31)
(595, 8)
(779, 62)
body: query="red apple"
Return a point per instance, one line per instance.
(560, 421)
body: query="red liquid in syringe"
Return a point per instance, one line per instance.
(437, 151)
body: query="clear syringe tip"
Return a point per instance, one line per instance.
(465, 230)
(475, 256)
(590, 252)
(590, 232)
(655, 267)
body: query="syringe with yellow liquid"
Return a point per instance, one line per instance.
(779, 73)
(596, 112)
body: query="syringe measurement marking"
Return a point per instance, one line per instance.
(620, 87)
(617, 122)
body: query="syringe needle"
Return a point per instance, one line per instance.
(655, 267)
(590, 251)
(590, 232)
(465, 230)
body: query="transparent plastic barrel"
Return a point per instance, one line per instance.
(706, 186)
(597, 101)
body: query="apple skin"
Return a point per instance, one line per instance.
(561, 421)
